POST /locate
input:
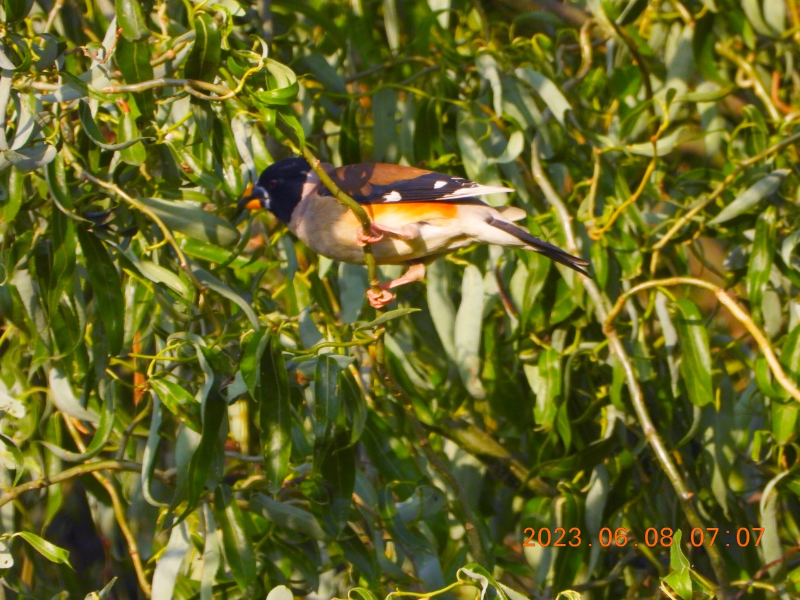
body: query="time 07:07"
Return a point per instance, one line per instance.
(698, 537)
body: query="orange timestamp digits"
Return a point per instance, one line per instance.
(562, 538)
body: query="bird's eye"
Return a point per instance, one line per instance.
(273, 183)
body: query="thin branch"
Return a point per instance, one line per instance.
(91, 467)
(662, 455)
(737, 311)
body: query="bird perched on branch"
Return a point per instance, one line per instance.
(417, 216)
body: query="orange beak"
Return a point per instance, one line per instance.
(249, 200)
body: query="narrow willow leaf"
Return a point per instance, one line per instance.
(487, 69)
(193, 221)
(211, 555)
(208, 450)
(179, 402)
(109, 302)
(359, 555)
(235, 540)
(50, 551)
(16, 10)
(28, 159)
(327, 399)
(203, 61)
(218, 286)
(349, 136)
(272, 395)
(761, 258)
(131, 19)
(764, 187)
(338, 469)
(133, 60)
(548, 91)
(547, 386)
(64, 398)
(289, 517)
(169, 563)
(467, 331)
(104, 593)
(132, 151)
(679, 579)
(771, 547)
(91, 129)
(101, 434)
(696, 355)
(664, 145)
(512, 151)
(9, 449)
(443, 312)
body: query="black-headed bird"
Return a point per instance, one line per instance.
(417, 216)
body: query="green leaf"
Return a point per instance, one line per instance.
(679, 579)
(16, 10)
(349, 136)
(203, 60)
(235, 540)
(218, 286)
(548, 91)
(131, 19)
(169, 563)
(50, 551)
(272, 395)
(696, 356)
(764, 187)
(179, 402)
(133, 60)
(133, 151)
(102, 594)
(93, 131)
(467, 333)
(338, 470)
(289, 517)
(193, 221)
(107, 289)
(327, 399)
(761, 258)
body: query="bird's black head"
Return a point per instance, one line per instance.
(279, 188)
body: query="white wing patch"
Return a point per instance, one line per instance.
(478, 190)
(439, 184)
(394, 196)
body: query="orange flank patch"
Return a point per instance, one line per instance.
(399, 214)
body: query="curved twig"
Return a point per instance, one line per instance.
(737, 311)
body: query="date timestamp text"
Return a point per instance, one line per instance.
(621, 537)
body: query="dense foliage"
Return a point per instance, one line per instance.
(206, 410)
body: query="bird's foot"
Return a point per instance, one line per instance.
(379, 300)
(362, 239)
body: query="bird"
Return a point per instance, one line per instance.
(417, 216)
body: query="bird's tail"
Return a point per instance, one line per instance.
(542, 247)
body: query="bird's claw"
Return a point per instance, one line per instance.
(379, 300)
(362, 239)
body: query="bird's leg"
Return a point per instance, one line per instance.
(415, 272)
(406, 232)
